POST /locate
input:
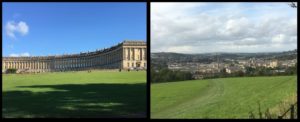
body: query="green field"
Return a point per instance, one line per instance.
(75, 94)
(220, 98)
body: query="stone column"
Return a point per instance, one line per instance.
(133, 53)
(39, 64)
(48, 65)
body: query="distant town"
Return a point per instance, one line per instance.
(216, 64)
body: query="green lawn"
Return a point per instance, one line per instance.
(75, 94)
(220, 98)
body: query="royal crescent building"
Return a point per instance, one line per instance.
(125, 55)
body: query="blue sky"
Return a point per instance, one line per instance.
(39, 29)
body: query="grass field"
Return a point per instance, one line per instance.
(75, 94)
(220, 98)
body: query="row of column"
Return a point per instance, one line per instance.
(27, 64)
(104, 60)
(91, 61)
(135, 54)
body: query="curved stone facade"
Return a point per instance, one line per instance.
(125, 55)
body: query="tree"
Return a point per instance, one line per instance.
(293, 4)
(11, 70)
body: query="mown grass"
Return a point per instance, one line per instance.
(220, 98)
(98, 94)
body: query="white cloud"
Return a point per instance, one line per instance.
(26, 54)
(12, 28)
(222, 27)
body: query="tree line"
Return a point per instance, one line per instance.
(166, 75)
(163, 74)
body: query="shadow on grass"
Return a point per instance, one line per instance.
(77, 100)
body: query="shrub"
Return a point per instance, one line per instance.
(11, 71)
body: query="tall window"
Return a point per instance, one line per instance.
(141, 54)
(128, 57)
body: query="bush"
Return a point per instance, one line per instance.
(11, 71)
(166, 75)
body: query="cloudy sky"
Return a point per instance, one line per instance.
(223, 27)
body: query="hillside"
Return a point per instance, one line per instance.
(220, 98)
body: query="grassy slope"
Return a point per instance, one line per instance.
(75, 94)
(219, 98)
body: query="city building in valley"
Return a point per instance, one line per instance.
(125, 55)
